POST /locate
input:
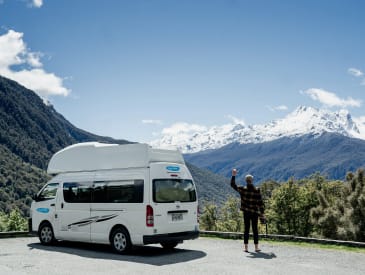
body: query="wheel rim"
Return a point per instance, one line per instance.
(120, 241)
(46, 234)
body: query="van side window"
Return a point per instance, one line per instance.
(118, 191)
(77, 192)
(48, 192)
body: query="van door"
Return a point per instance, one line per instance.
(174, 199)
(74, 211)
(117, 202)
(44, 206)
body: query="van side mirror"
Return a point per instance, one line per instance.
(35, 197)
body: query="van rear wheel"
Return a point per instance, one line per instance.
(120, 241)
(169, 245)
(45, 234)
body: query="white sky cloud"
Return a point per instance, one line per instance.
(13, 51)
(183, 128)
(236, 120)
(187, 129)
(33, 59)
(330, 99)
(152, 121)
(37, 3)
(278, 108)
(355, 72)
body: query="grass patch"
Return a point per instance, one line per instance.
(316, 245)
(344, 248)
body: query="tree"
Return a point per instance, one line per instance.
(3, 221)
(209, 217)
(230, 218)
(13, 221)
(16, 222)
(354, 218)
(341, 210)
(288, 210)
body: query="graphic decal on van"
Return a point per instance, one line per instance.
(90, 220)
(43, 210)
(173, 168)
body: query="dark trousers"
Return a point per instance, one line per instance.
(251, 218)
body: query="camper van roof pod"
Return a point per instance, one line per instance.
(92, 156)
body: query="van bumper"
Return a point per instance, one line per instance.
(170, 237)
(30, 228)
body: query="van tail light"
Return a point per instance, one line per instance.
(149, 216)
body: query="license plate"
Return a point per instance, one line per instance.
(177, 217)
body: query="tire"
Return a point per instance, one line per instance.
(120, 241)
(169, 245)
(45, 234)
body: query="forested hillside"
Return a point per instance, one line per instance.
(211, 187)
(19, 181)
(33, 130)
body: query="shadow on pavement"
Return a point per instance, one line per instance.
(151, 255)
(262, 255)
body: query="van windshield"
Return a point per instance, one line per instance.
(171, 190)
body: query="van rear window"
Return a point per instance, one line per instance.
(171, 190)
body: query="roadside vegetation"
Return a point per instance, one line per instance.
(310, 207)
(14, 221)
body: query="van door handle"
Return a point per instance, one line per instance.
(61, 204)
(52, 204)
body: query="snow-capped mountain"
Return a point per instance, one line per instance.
(303, 121)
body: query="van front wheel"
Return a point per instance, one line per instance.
(169, 245)
(120, 241)
(45, 234)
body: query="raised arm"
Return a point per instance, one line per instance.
(233, 180)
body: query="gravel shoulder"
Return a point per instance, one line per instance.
(201, 256)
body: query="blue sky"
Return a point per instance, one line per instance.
(129, 69)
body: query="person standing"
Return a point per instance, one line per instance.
(252, 207)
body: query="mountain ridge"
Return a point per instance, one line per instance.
(331, 154)
(302, 121)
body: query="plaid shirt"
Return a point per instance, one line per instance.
(251, 200)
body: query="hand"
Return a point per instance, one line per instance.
(234, 172)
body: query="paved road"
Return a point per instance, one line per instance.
(202, 256)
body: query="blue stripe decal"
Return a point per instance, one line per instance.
(43, 210)
(173, 168)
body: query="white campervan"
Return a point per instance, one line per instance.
(121, 195)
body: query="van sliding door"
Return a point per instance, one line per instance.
(74, 211)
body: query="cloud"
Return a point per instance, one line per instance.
(151, 121)
(278, 108)
(37, 3)
(183, 128)
(330, 99)
(355, 72)
(30, 3)
(236, 120)
(14, 52)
